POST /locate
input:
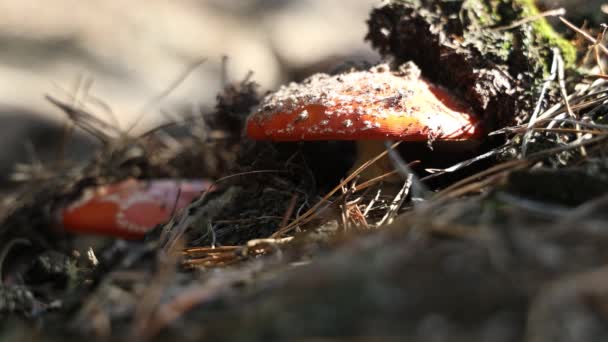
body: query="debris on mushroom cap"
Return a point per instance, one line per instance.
(372, 104)
(130, 208)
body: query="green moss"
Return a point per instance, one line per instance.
(487, 15)
(547, 35)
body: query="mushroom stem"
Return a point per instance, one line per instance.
(367, 150)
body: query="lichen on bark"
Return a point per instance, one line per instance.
(485, 50)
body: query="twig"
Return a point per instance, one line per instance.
(570, 146)
(372, 202)
(86, 121)
(549, 13)
(600, 39)
(510, 165)
(541, 97)
(307, 215)
(463, 164)
(205, 250)
(290, 207)
(397, 201)
(570, 130)
(374, 180)
(562, 87)
(418, 189)
(584, 34)
(211, 230)
(521, 128)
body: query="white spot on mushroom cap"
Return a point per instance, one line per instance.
(303, 115)
(360, 96)
(330, 91)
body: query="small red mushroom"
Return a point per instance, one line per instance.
(130, 208)
(366, 106)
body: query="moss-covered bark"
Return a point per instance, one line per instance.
(476, 47)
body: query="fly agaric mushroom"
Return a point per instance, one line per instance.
(366, 106)
(130, 208)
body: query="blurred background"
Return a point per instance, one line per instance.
(125, 53)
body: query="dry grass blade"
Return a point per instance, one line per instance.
(376, 180)
(98, 128)
(576, 144)
(600, 39)
(454, 189)
(227, 255)
(397, 202)
(461, 165)
(522, 128)
(478, 186)
(570, 130)
(562, 88)
(550, 13)
(418, 189)
(307, 216)
(586, 35)
(290, 209)
(347, 206)
(214, 260)
(593, 48)
(175, 229)
(470, 183)
(205, 250)
(534, 116)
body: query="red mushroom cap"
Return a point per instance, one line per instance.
(130, 208)
(376, 104)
